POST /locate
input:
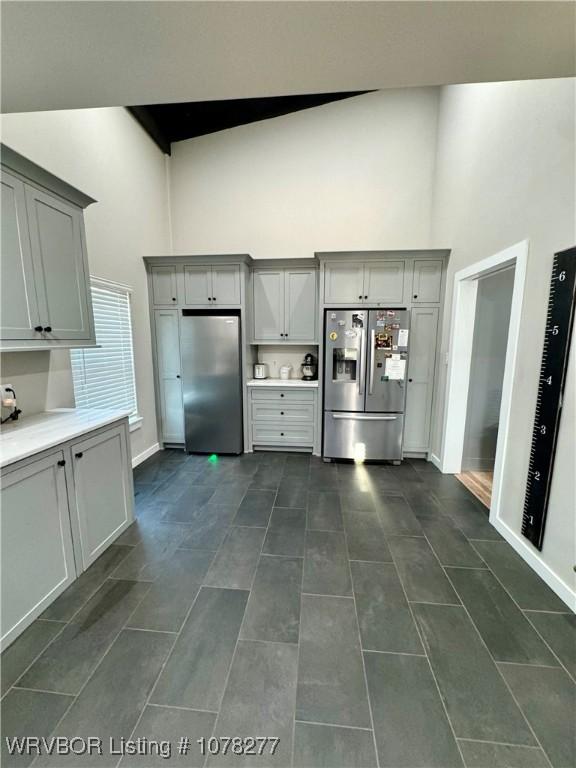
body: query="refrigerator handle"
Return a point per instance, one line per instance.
(362, 376)
(371, 363)
(362, 417)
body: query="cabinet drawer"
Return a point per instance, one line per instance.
(273, 411)
(282, 434)
(283, 395)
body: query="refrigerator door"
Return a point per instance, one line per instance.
(345, 359)
(387, 360)
(212, 382)
(362, 436)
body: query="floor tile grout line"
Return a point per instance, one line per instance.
(394, 653)
(499, 743)
(483, 642)
(42, 690)
(334, 725)
(368, 699)
(298, 651)
(423, 642)
(571, 675)
(184, 709)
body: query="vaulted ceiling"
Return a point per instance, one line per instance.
(69, 55)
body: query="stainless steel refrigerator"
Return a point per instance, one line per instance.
(211, 381)
(366, 361)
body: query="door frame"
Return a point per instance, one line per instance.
(460, 358)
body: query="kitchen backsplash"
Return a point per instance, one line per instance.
(276, 356)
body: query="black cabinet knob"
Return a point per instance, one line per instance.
(415, 296)
(177, 375)
(38, 328)
(365, 297)
(360, 297)
(62, 463)
(409, 380)
(173, 298)
(281, 394)
(79, 455)
(213, 298)
(281, 434)
(281, 413)
(209, 299)
(48, 328)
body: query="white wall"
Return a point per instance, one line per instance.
(106, 154)
(505, 173)
(353, 175)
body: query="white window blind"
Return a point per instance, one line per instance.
(104, 376)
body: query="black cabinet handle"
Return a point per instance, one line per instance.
(281, 413)
(38, 328)
(365, 297)
(79, 455)
(409, 380)
(213, 298)
(281, 394)
(360, 297)
(177, 375)
(62, 463)
(281, 434)
(48, 329)
(209, 299)
(415, 296)
(173, 298)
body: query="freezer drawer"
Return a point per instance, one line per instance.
(371, 436)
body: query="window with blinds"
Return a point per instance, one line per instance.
(104, 376)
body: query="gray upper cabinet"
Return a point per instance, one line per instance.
(197, 286)
(46, 298)
(226, 284)
(268, 304)
(58, 255)
(343, 283)
(19, 315)
(421, 368)
(364, 282)
(285, 302)
(164, 286)
(384, 282)
(207, 286)
(427, 281)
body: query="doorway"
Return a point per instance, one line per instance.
(460, 356)
(489, 342)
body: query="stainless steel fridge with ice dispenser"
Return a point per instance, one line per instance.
(210, 346)
(366, 360)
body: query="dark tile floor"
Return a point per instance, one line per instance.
(365, 616)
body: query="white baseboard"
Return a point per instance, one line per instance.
(436, 461)
(145, 455)
(563, 590)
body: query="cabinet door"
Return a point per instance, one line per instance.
(226, 284)
(300, 304)
(343, 283)
(19, 307)
(166, 323)
(198, 286)
(384, 281)
(60, 266)
(102, 490)
(164, 286)
(268, 305)
(37, 555)
(427, 281)
(421, 367)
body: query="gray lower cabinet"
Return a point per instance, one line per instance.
(103, 493)
(37, 551)
(59, 512)
(283, 417)
(285, 305)
(46, 300)
(421, 368)
(168, 368)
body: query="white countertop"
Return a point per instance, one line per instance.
(281, 383)
(33, 434)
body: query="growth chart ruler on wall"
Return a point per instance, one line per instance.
(553, 370)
